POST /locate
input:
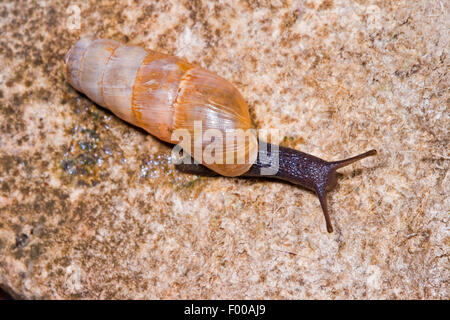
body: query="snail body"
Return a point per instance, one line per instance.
(164, 94)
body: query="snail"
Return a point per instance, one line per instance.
(165, 95)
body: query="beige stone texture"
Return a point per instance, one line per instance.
(92, 208)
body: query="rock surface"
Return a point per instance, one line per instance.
(91, 207)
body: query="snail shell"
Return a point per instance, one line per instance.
(163, 94)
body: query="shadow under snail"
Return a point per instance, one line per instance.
(162, 94)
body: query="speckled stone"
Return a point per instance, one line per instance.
(91, 207)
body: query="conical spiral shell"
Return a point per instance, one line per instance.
(165, 95)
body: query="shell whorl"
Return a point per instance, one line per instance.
(162, 93)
